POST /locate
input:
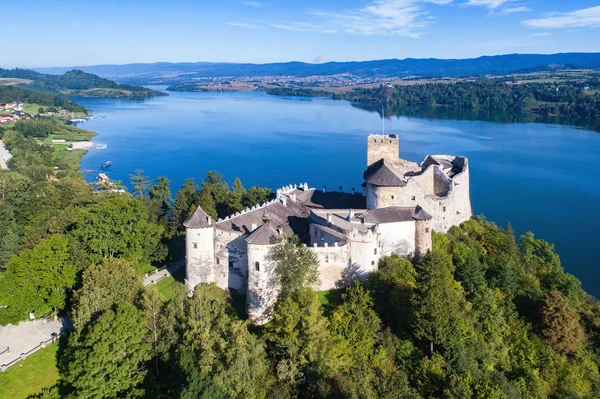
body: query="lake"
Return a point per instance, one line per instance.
(542, 178)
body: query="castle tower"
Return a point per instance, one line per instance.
(199, 249)
(262, 280)
(423, 242)
(383, 146)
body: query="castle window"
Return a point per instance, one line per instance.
(457, 212)
(375, 251)
(257, 266)
(218, 261)
(231, 264)
(372, 263)
(327, 258)
(444, 209)
(426, 229)
(195, 244)
(393, 197)
(413, 198)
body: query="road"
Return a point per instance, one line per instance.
(4, 156)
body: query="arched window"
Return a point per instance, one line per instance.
(257, 266)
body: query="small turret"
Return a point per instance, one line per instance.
(383, 146)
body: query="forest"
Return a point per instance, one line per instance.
(76, 82)
(14, 93)
(484, 315)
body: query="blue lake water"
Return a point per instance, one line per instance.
(542, 178)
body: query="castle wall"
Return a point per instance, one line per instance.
(199, 249)
(397, 238)
(231, 261)
(322, 237)
(334, 262)
(262, 284)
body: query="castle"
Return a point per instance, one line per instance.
(401, 203)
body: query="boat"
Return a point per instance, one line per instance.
(100, 146)
(90, 170)
(106, 164)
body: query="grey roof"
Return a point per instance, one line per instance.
(332, 199)
(382, 173)
(267, 234)
(283, 215)
(394, 214)
(198, 220)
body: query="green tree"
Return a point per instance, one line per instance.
(439, 306)
(160, 207)
(256, 195)
(38, 280)
(112, 282)
(302, 346)
(8, 244)
(296, 266)
(153, 307)
(560, 327)
(234, 200)
(141, 183)
(185, 202)
(107, 359)
(118, 226)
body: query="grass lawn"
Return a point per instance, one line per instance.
(166, 286)
(31, 375)
(67, 161)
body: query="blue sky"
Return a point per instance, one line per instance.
(40, 33)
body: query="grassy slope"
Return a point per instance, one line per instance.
(31, 375)
(167, 285)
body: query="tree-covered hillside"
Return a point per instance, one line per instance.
(77, 82)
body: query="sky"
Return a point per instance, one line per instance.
(45, 33)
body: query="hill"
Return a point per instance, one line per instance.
(430, 67)
(74, 82)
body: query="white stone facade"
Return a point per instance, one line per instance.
(401, 204)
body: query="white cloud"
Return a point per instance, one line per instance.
(255, 4)
(384, 17)
(513, 10)
(491, 4)
(303, 27)
(588, 17)
(241, 25)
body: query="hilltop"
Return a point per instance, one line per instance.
(167, 72)
(74, 82)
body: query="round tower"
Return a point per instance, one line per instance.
(199, 249)
(423, 242)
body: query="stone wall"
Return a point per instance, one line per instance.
(397, 238)
(334, 263)
(364, 253)
(199, 248)
(262, 284)
(231, 260)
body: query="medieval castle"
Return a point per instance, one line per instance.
(401, 203)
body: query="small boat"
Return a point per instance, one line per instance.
(90, 170)
(100, 146)
(107, 164)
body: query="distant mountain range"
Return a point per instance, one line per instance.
(430, 67)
